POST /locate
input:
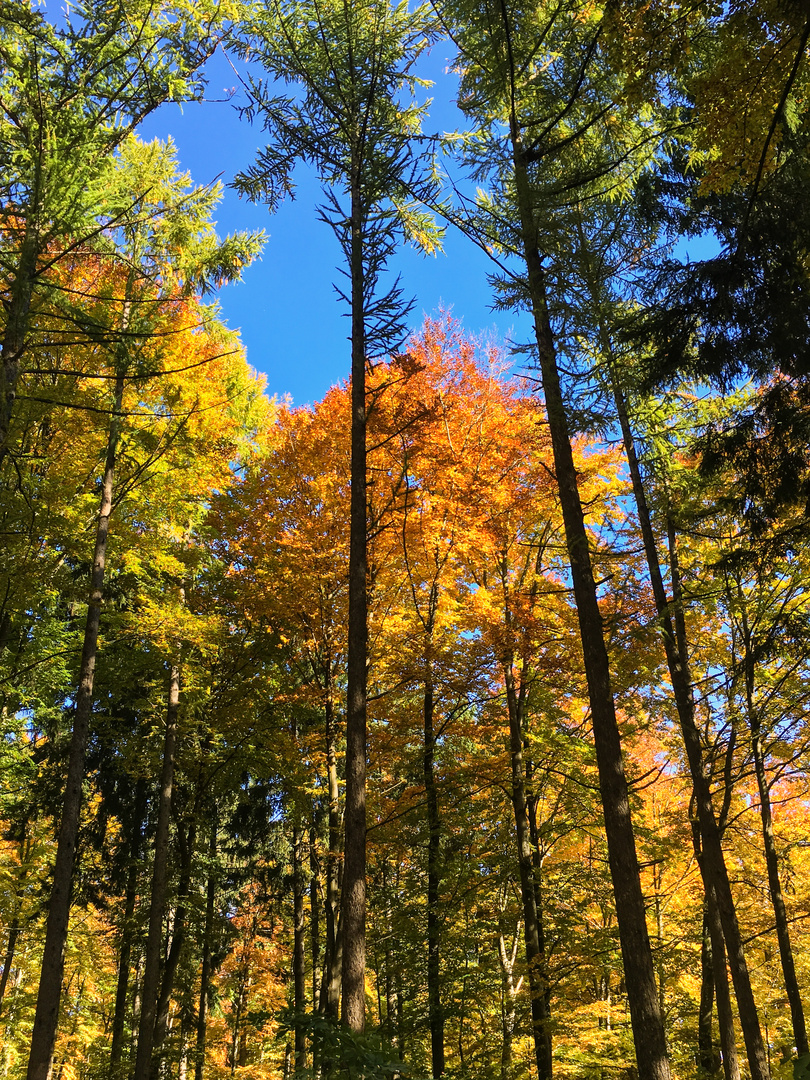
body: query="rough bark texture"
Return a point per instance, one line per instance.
(642, 992)
(43, 1036)
(353, 893)
(157, 902)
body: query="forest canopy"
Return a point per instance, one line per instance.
(455, 724)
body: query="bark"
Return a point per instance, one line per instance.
(535, 960)
(642, 995)
(435, 1011)
(299, 947)
(353, 893)
(46, 1018)
(160, 874)
(186, 843)
(208, 932)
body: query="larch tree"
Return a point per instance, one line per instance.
(551, 124)
(354, 122)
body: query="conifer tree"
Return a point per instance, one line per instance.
(353, 123)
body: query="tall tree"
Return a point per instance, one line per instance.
(537, 71)
(352, 124)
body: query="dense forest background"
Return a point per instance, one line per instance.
(455, 725)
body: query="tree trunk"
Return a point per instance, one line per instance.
(330, 984)
(435, 1012)
(205, 975)
(16, 334)
(127, 934)
(8, 959)
(186, 843)
(642, 995)
(712, 864)
(708, 1058)
(46, 1019)
(535, 960)
(314, 915)
(160, 874)
(299, 948)
(772, 859)
(725, 1016)
(353, 893)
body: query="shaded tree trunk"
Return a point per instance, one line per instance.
(18, 310)
(435, 1012)
(46, 1018)
(299, 947)
(535, 960)
(330, 984)
(208, 932)
(127, 935)
(712, 863)
(708, 1058)
(160, 874)
(353, 892)
(186, 842)
(314, 914)
(771, 855)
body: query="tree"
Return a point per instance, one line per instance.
(353, 65)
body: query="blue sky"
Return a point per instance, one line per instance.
(290, 318)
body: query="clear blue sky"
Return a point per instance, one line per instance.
(286, 308)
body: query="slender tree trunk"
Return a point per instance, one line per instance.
(299, 948)
(642, 995)
(330, 984)
(8, 959)
(186, 843)
(46, 1019)
(712, 864)
(772, 858)
(435, 1012)
(160, 874)
(127, 934)
(534, 959)
(208, 933)
(353, 893)
(708, 1058)
(314, 914)
(725, 1015)
(509, 989)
